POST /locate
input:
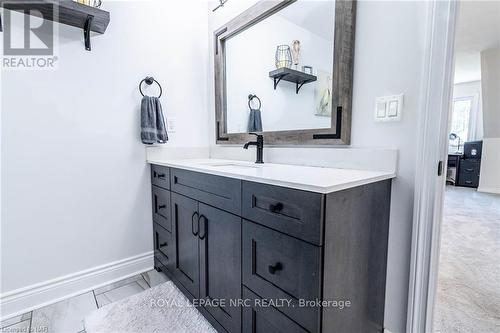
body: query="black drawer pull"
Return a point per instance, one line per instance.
(276, 207)
(276, 267)
(162, 206)
(161, 175)
(468, 182)
(204, 227)
(193, 222)
(163, 244)
(469, 169)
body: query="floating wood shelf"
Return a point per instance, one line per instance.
(291, 75)
(66, 12)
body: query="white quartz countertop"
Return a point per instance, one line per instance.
(309, 178)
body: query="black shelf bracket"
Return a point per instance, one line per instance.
(86, 32)
(277, 80)
(299, 85)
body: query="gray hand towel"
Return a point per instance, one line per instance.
(254, 121)
(152, 122)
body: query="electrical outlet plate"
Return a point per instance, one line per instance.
(171, 125)
(389, 108)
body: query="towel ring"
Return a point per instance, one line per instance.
(149, 80)
(250, 98)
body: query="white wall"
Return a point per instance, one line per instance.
(75, 185)
(467, 66)
(250, 56)
(490, 162)
(388, 60)
(490, 73)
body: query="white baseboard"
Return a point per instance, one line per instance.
(18, 301)
(485, 189)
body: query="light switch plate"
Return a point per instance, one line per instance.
(389, 108)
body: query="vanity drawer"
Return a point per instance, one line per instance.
(163, 246)
(160, 176)
(294, 212)
(259, 319)
(279, 266)
(220, 192)
(161, 207)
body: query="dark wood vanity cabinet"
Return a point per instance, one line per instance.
(271, 253)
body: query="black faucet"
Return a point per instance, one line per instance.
(260, 146)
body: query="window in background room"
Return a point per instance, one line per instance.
(460, 122)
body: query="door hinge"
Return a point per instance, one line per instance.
(440, 168)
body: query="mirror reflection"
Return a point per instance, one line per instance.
(279, 71)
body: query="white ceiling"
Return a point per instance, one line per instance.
(478, 29)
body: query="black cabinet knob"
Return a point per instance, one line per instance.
(275, 208)
(276, 267)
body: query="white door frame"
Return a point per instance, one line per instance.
(432, 147)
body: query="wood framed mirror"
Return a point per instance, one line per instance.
(303, 95)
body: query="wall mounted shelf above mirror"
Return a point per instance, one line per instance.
(268, 44)
(291, 75)
(66, 12)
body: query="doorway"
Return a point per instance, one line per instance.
(467, 294)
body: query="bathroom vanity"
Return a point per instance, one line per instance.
(258, 247)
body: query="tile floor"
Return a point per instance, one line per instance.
(67, 316)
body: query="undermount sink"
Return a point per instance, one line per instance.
(231, 165)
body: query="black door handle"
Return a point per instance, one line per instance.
(204, 227)
(276, 207)
(276, 267)
(193, 221)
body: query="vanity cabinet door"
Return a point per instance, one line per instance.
(220, 264)
(186, 251)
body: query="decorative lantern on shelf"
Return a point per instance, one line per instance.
(283, 56)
